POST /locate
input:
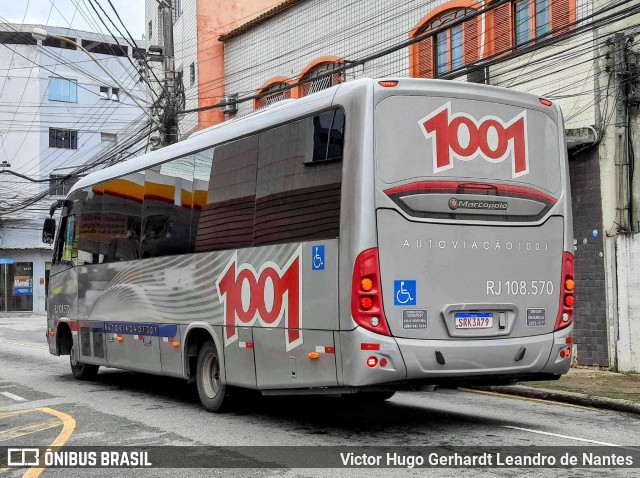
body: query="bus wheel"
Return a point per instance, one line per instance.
(82, 371)
(213, 393)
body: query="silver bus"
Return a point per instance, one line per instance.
(376, 236)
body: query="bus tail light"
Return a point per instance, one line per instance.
(567, 284)
(388, 83)
(366, 293)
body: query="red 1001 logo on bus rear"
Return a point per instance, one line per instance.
(266, 295)
(463, 137)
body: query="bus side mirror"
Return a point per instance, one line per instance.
(48, 230)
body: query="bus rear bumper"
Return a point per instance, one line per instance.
(520, 356)
(451, 361)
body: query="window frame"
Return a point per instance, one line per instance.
(471, 46)
(70, 95)
(533, 35)
(306, 78)
(73, 138)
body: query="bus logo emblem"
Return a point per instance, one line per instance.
(461, 136)
(455, 203)
(267, 296)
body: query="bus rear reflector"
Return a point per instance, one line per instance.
(369, 346)
(366, 305)
(565, 311)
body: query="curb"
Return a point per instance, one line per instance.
(615, 404)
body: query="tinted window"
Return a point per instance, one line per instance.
(63, 138)
(298, 190)
(328, 132)
(65, 247)
(88, 227)
(121, 218)
(226, 218)
(167, 208)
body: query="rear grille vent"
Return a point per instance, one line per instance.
(98, 343)
(85, 341)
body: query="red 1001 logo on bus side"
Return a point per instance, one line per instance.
(266, 296)
(461, 136)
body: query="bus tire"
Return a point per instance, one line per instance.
(82, 371)
(213, 394)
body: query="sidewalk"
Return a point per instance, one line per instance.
(584, 386)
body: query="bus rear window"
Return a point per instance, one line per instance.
(439, 138)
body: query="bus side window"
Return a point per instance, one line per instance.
(299, 180)
(121, 218)
(225, 220)
(166, 221)
(89, 225)
(68, 250)
(59, 244)
(328, 136)
(64, 247)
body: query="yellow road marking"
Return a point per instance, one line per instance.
(68, 426)
(529, 399)
(14, 413)
(17, 432)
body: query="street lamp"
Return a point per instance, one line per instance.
(40, 34)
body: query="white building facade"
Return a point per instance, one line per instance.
(185, 48)
(58, 110)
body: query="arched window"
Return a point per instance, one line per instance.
(450, 48)
(519, 23)
(312, 79)
(274, 91)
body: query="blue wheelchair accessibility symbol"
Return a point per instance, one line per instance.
(404, 292)
(317, 261)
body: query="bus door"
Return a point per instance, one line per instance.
(63, 280)
(471, 219)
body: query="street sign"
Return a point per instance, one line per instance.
(5, 261)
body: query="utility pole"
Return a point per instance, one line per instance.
(170, 117)
(620, 81)
(168, 105)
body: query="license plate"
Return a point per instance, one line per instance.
(473, 320)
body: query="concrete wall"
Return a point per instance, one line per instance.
(628, 333)
(622, 256)
(185, 40)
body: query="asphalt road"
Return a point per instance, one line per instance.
(123, 408)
